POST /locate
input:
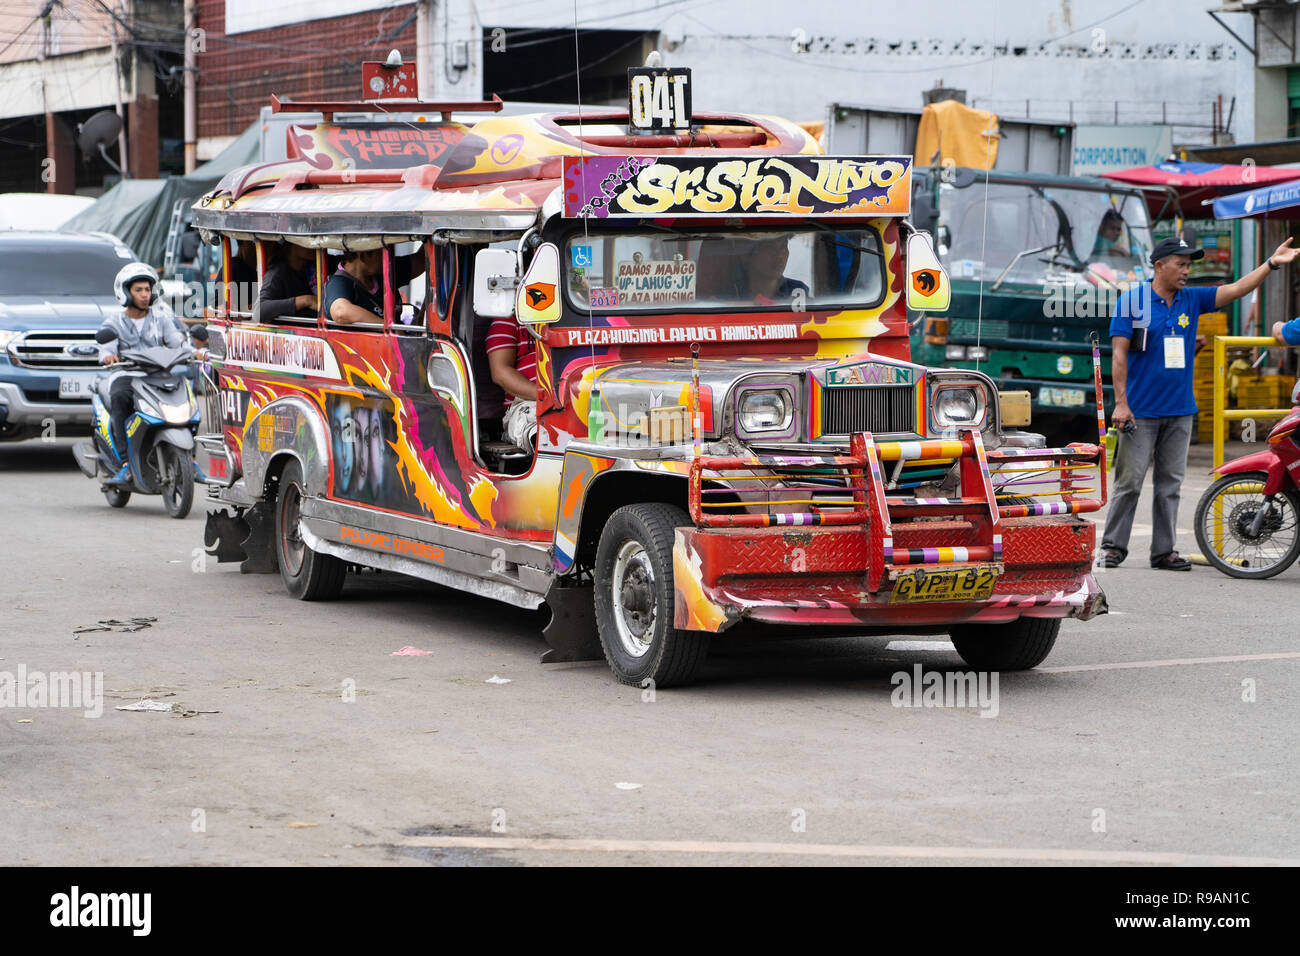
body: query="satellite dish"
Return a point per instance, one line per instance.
(97, 132)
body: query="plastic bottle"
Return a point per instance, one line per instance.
(1112, 441)
(595, 420)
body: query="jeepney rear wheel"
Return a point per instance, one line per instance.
(1019, 645)
(634, 599)
(307, 574)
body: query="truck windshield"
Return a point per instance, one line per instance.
(685, 271)
(1077, 228)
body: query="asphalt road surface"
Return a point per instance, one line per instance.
(1162, 732)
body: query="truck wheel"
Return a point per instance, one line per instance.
(307, 575)
(1019, 645)
(634, 599)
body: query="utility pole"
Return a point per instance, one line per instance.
(117, 88)
(191, 110)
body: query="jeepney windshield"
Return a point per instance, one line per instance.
(1074, 229)
(676, 271)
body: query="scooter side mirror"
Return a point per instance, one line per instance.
(105, 335)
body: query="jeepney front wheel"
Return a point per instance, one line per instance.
(307, 575)
(1019, 645)
(634, 599)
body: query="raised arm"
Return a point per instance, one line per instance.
(1251, 281)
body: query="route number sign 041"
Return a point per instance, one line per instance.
(659, 100)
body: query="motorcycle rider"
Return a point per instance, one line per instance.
(144, 322)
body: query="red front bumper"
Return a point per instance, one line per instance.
(819, 575)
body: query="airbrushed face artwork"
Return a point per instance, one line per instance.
(341, 434)
(360, 466)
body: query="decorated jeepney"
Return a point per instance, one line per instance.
(728, 426)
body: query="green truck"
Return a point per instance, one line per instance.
(1037, 263)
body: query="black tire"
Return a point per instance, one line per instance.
(636, 625)
(307, 575)
(1290, 499)
(117, 497)
(176, 480)
(1019, 645)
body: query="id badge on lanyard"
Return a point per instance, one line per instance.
(1175, 352)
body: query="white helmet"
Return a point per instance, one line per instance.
(128, 274)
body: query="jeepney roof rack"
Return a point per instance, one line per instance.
(709, 130)
(330, 107)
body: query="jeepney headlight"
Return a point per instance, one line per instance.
(956, 406)
(765, 410)
(7, 336)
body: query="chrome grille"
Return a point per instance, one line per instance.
(879, 409)
(52, 350)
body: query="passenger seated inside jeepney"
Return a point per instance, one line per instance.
(289, 288)
(243, 276)
(354, 292)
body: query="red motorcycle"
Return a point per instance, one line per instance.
(1248, 521)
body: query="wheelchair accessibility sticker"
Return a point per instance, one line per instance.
(580, 256)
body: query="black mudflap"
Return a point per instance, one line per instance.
(572, 631)
(258, 546)
(223, 534)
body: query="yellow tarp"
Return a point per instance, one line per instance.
(958, 133)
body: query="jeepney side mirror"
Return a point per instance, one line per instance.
(496, 275)
(927, 285)
(538, 298)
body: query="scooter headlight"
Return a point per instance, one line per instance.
(176, 414)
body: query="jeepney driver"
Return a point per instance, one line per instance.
(512, 360)
(355, 293)
(768, 283)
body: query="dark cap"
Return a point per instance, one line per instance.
(1175, 246)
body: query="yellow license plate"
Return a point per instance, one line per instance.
(959, 584)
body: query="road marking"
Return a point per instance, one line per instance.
(1176, 662)
(837, 849)
(919, 646)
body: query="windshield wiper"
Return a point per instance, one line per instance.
(1020, 255)
(837, 241)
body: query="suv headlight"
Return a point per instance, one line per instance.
(765, 410)
(7, 336)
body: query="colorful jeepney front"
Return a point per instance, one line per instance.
(873, 505)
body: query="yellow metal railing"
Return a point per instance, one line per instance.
(1221, 412)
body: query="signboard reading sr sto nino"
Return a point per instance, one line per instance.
(637, 186)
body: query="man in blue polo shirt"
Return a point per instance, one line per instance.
(1153, 342)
